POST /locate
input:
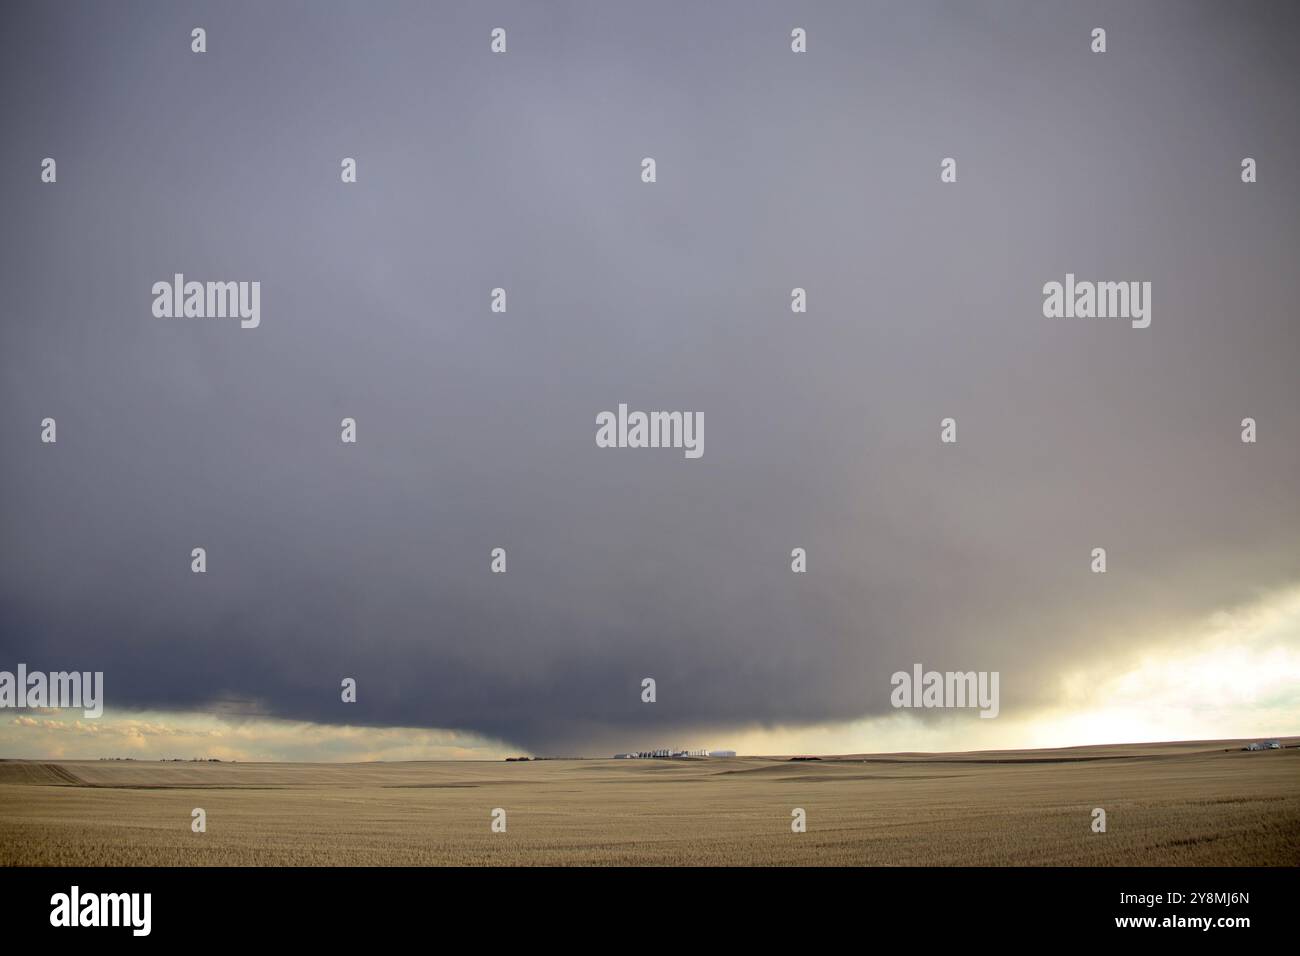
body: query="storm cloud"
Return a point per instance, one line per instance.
(476, 429)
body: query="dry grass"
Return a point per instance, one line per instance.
(1167, 804)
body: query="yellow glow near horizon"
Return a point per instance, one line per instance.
(1239, 677)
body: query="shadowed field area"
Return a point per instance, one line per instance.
(1204, 803)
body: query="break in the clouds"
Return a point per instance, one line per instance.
(774, 171)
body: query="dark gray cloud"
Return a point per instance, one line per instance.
(477, 430)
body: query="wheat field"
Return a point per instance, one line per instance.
(1204, 803)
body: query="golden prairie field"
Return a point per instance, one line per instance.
(1204, 803)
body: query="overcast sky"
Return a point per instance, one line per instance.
(476, 430)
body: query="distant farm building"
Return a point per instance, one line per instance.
(671, 753)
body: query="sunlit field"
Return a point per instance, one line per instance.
(1206, 803)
